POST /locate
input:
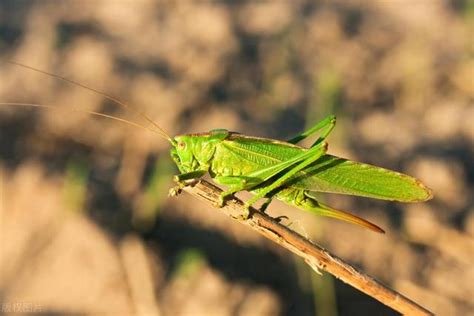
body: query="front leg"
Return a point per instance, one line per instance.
(181, 179)
(189, 175)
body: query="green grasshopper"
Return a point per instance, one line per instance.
(271, 168)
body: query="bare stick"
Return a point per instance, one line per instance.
(314, 255)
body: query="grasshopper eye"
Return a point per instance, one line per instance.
(181, 145)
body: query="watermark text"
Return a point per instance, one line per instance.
(20, 307)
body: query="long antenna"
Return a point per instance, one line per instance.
(159, 130)
(52, 107)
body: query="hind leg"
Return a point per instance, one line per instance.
(327, 124)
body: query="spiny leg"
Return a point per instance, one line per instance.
(311, 156)
(258, 177)
(328, 124)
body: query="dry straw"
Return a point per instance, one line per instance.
(315, 256)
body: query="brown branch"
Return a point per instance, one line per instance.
(314, 255)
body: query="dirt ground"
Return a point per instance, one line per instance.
(86, 226)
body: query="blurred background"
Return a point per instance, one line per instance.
(86, 224)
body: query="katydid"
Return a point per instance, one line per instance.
(271, 168)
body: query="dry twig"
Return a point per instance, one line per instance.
(314, 255)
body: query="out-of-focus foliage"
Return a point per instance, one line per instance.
(398, 74)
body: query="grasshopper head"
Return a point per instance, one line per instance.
(192, 152)
(182, 153)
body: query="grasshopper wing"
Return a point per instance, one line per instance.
(328, 174)
(337, 175)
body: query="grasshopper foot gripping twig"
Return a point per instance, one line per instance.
(235, 184)
(176, 190)
(182, 179)
(266, 204)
